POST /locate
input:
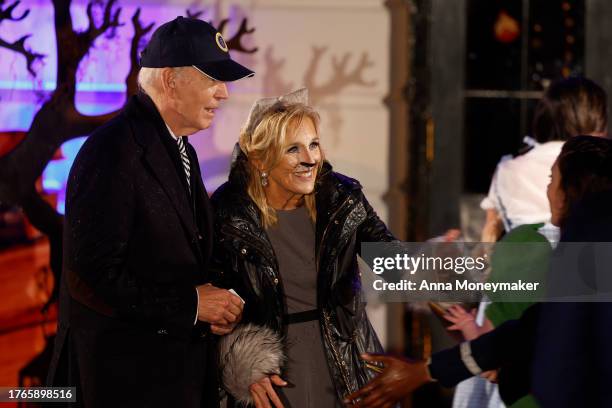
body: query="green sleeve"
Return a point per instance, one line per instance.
(522, 254)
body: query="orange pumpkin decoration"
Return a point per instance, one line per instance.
(506, 28)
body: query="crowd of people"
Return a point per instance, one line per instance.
(169, 298)
(542, 354)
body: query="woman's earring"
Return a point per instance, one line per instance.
(264, 178)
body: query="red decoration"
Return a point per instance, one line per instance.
(506, 28)
(9, 140)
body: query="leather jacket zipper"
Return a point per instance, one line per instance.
(331, 219)
(276, 278)
(327, 336)
(337, 358)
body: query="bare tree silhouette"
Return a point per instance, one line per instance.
(235, 42)
(19, 45)
(340, 79)
(273, 83)
(58, 120)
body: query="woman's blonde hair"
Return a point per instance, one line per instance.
(263, 141)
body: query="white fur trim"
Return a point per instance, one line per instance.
(247, 355)
(466, 356)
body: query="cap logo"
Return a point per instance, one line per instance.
(221, 42)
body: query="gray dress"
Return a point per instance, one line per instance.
(293, 240)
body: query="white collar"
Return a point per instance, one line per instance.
(171, 132)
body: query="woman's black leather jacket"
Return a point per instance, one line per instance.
(345, 219)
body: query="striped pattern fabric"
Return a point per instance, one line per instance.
(184, 160)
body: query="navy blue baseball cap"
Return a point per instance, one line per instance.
(185, 42)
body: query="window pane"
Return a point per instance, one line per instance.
(494, 44)
(491, 131)
(556, 41)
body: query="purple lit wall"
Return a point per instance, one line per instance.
(321, 44)
(101, 75)
(300, 42)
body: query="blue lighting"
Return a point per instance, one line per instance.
(100, 79)
(50, 86)
(55, 175)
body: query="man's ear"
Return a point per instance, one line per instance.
(168, 80)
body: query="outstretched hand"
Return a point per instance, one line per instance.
(263, 393)
(398, 379)
(463, 321)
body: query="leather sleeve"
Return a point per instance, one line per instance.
(372, 229)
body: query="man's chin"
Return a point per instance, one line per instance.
(205, 124)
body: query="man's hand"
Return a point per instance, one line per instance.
(263, 392)
(399, 378)
(219, 307)
(222, 330)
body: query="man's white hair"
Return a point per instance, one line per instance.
(149, 79)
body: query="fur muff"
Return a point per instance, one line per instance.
(247, 355)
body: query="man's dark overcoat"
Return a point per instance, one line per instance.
(136, 244)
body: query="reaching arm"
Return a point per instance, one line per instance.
(373, 229)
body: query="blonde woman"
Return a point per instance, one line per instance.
(289, 230)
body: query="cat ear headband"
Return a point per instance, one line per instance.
(263, 105)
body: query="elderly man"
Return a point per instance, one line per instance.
(138, 311)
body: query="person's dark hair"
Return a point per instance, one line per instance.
(570, 107)
(585, 165)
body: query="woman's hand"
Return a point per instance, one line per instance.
(263, 392)
(398, 379)
(463, 321)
